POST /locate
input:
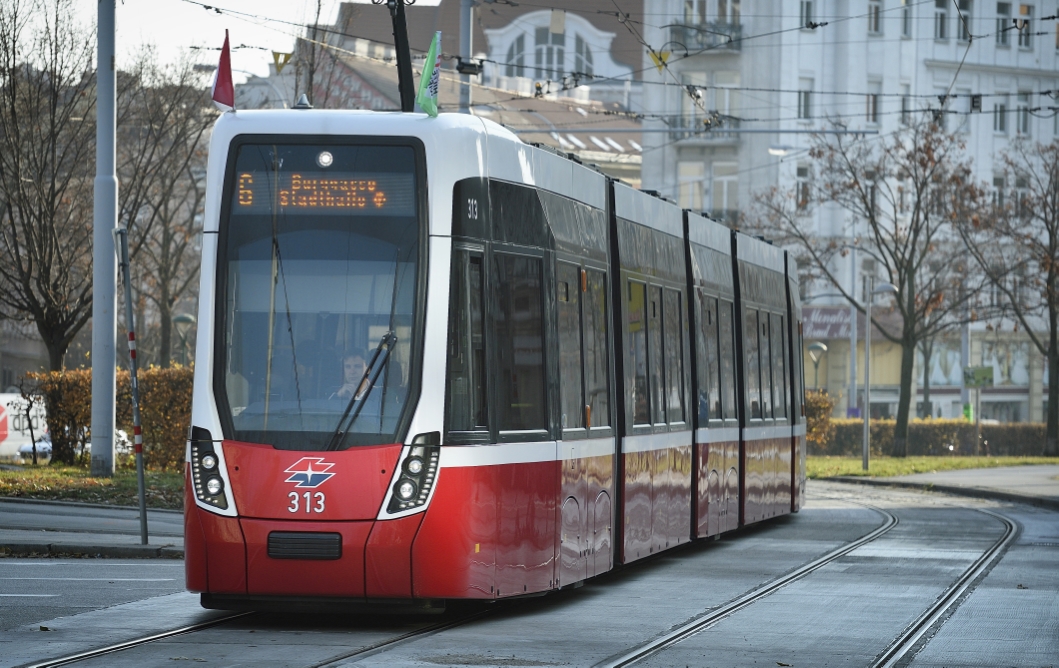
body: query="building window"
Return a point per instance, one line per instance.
(802, 188)
(1022, 196)
(805, 99)
(549, 54)
(1022, 113)
(906, 105)
(690, 177)
(1025, 19)
(1003, 22)
(805, 13)
(516, 55)
(998, 192)
(874, 93)
(725, 191)
(582, 57)
(963, 29)
(728, 11)
(874, 19)
(1000, 115)
(906, 19)
(694, 12)
(941, 19)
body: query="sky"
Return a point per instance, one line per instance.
(176, 26)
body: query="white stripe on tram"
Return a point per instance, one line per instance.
(653, 442)
(717, 435)
(762, 433)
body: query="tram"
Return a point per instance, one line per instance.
(435, 362)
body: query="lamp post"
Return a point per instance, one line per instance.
(872, 291)
(183, 323)
(816, 351)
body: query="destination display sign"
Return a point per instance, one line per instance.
(325, 193)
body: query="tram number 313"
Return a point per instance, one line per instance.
(313, 502)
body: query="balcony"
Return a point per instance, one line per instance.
(707, 36)
(693, 128)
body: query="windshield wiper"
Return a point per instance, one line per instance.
(364, 388)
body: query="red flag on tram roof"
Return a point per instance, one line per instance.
(223, 89)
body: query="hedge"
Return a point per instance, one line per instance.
(934, 437)
(165, 409)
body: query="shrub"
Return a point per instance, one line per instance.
(819, 429)
(165, 412)
(934, 437)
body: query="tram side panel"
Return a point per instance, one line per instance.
(656, 448)
(797, 384)
(714, 407)
(766, 435)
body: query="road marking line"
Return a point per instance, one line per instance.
(98, 579)
(28, 595)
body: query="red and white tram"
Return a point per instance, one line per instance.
(435, 363)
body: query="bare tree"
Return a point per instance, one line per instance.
(46, 166)
(316, 64)
(162, 159)
(1016, 245)
(904, 191)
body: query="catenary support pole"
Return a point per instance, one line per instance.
(405, 84)
(466, 42)
(104, 220)
(121, 235)
(851, 402)
(867, 371)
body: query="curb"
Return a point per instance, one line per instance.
(79, 504)
(112, 551)
(976, 492)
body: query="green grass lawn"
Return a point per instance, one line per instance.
(71, 483)
(884, 467)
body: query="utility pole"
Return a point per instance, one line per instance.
(851, 402)
(104, 220)
(466, 44)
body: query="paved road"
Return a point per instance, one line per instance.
(86, 529)
(842, 614)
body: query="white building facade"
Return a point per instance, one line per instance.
(766, 73)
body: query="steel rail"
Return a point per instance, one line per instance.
(949, 600)
(712, 617)
(136, 642)
(389, 643)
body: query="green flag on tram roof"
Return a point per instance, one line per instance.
(427, 97)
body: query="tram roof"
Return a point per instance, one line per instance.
(709, 233)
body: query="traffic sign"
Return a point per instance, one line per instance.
(978, 376)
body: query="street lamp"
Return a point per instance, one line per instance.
(884, 288)
(816, 351)
(183, 323)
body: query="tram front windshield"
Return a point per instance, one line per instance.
(321, 252)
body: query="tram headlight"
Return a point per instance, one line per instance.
(406, 489)
(418, 472)
(214, 486)
(205, 469)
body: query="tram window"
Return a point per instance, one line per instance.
(764, 351)
(753, 379)
(520, 344)
(779, 369)
(725, 320)
(710, 372)
(597, 368)
(637, 324)
(655, 357)
(568, 283)
(674, 353)
(466, 364)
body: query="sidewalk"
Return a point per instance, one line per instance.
(1035, 485)
(53, 527)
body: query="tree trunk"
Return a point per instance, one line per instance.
(165, 334)
(1051, 438)
(908, 357)
(56, 354)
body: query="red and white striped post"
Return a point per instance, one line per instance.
(122, 237)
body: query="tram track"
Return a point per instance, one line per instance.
(714, 616)
(135, 642)
(908, 642)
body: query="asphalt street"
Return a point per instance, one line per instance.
(845, 613)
